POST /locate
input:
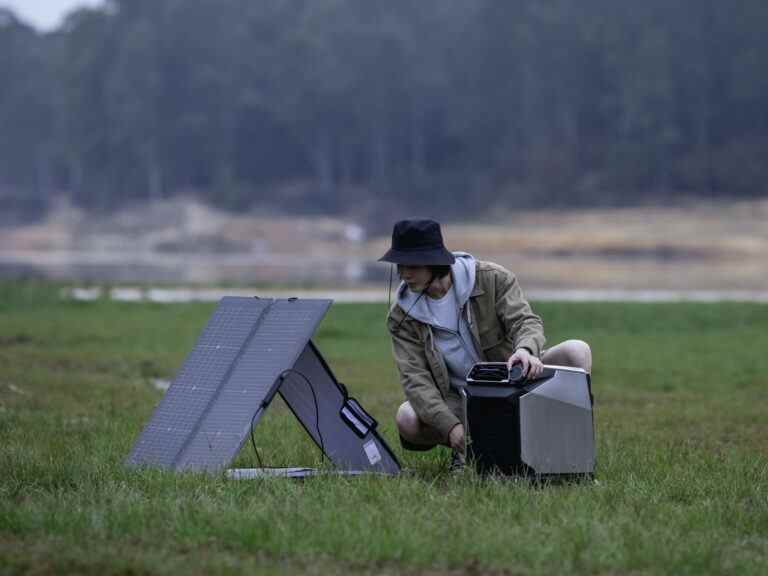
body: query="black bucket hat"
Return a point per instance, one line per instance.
(418, 243)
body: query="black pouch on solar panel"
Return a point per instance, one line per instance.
(357, 418)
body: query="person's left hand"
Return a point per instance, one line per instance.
(456, 438)
(532, 366)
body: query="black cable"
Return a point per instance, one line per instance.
(282, 376)
(253, 441)
(317, 408)
(415, 301)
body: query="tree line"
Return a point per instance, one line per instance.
(368, 106)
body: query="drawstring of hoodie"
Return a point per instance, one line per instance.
(407, 312)
(431, 337)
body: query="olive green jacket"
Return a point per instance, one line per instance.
(501, 321)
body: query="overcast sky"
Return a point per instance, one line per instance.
(44, 14)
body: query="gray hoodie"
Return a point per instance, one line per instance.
(446, 318)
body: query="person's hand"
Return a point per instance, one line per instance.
(532, 366)
(456, 437)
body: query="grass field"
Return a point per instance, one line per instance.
(681, 395)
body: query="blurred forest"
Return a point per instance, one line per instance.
(362, 107)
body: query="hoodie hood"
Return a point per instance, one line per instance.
(463, 275)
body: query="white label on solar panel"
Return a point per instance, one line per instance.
(354, 420)
(372, 451)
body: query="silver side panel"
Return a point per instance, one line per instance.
(557, 434)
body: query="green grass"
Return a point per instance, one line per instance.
(681, 417)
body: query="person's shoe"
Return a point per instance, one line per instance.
(458, 461)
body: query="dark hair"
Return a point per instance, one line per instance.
(440, 271)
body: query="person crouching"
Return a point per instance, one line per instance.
(450, 312)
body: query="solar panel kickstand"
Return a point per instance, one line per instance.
(250, 350)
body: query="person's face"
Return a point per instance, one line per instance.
(416, 277)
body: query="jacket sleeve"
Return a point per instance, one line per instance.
(523, 328)
(417, 381)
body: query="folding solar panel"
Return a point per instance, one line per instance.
(250, 349)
